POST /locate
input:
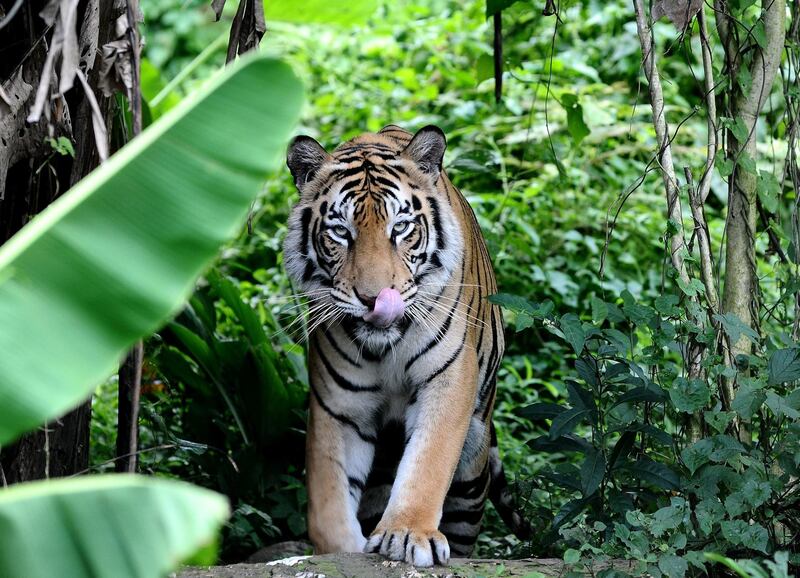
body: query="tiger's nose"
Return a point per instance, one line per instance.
(367, 300)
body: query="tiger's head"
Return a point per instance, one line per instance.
(373, 236)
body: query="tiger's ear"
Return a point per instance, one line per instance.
(426, 149)
(304, 158)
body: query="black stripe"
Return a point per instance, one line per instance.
(341, 381)
(339, 349)
(437, 223)
(356, 483)
(343, 418)
(447, 363)
(442, 331)
(473, 488)
(462, 539)
(459, 516)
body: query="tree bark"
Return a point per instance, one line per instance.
(32, 175)
(740, 294)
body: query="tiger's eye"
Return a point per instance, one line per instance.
(401, 227)
(340, 231)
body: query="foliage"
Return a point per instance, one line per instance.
(240, 400)
(595, 400)
(635, 484)
(77, 288)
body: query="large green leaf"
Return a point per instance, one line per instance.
(114, 525)
(119, 253)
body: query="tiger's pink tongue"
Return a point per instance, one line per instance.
(389, 307)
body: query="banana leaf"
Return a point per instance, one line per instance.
(111, 525)
(119, 253)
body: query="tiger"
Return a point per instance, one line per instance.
(403, 349)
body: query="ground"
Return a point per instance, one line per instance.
(372, 565)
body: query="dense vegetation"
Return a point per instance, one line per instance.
(612, 413)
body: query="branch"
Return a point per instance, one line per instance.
(703, 243)
(765, 63)
(674, 212)
(711, 110)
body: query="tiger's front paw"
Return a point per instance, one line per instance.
(412, 545)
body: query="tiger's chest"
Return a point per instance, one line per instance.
(368, 387)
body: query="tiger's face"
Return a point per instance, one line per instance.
(372, 238)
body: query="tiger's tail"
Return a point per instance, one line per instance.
(501, 494)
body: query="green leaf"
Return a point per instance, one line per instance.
(739, 532)
(639, 394)
(484, 68)
(667, 305)
(657, 474)
(738, 128)
(669, 518)
(579, 397)
(781, 406)
(564, 443)
(735, 327)
(565, 422)
(114, 525)
(689, 396)
(747, 401)
(693, 288)
(784, 365)
(575, 123)
(759, 33)
(725, 447)
(673, 566)
(541, 411)
(568, 511)
(593, 470)
(747, 163)
(62, 145)
(495, 6)
(573, 331)
(588, 371)
(709, 512)
(599, 311)
(724, 165)
(572, 556)
(567, 476)
(112, 258)
(622, 448)
(340, 12)
(769, 191)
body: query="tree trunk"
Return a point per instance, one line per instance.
(741, 290)
(33, 174)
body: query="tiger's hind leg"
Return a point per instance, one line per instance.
(464, 506)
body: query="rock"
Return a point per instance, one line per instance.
(375, 566)
(280, 550)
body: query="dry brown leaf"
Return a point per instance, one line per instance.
(680, 12)
(62, 14)
(247, 28)
(116, 72)
(217, 6)
(98, 125)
